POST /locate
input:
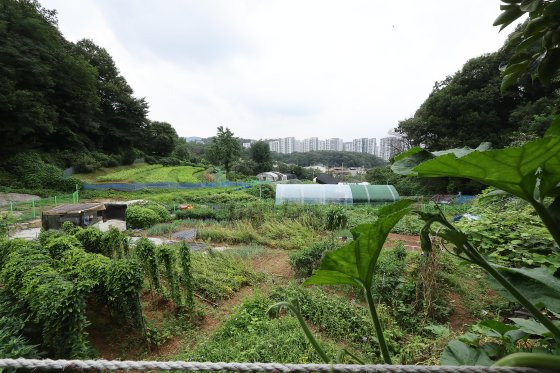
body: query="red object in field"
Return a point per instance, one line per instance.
(185, 207)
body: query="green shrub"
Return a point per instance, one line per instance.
(86, 163)
(32, 172)
(91, 239)
(141, 217)
(199, 213)
(510, 233)
(341, 320)
(162, 212)
(6, 219)
(305, 261)
(250, 335)
(57, 245)
(336, 218)
(265, 191)
(13, 343)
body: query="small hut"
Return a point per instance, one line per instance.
(80, 214)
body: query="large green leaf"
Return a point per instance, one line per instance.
(525, 171)
(405, 163)
(459, 353)
(538, 285)
(530, 326)
(354, 262)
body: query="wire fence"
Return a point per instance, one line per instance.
(29, 210)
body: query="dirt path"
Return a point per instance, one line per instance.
(274, 263)
(461, 315)
(409, 242)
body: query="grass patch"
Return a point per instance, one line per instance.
(153, 174)
(281, 233)
(249, 335)
(217, 276)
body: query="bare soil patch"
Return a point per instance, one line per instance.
(461, 315)
(6, 198)
(410, 242)
(274, 262)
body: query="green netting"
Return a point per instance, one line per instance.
(373, 193)
(32, 209)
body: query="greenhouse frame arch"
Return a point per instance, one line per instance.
(322, 194)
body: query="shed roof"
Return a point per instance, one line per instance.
(326, 179)
(75, 208)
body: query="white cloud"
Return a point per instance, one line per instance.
(273, 68)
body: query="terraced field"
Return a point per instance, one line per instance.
(154, 174)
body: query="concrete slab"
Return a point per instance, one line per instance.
(104, 226)
(187, 234)
(27, 234)
(156, 240)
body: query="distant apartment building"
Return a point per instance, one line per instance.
(334, 144)
(311, 144)
(372, 146)
(247, 145)
(287, 145)
(274, 146)
(390, 146)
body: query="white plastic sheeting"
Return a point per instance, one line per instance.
(313, 194)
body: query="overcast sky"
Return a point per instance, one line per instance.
(277, 68)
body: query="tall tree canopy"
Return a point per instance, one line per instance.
(468, 108)
(260, 154)
(330, 158)
(225, 148)
(57, 95)
(161, 139)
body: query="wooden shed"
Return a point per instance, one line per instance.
(80, 214)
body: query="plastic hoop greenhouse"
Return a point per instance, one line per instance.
(321, 194)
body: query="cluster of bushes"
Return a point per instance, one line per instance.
(306, 260)
(86, 162)
(265, 191)
(52, 280)
(509, 232)
(146, 215)
(250, 335)
(169, 161)
(12, 324)
(396, 282)
(30, 171)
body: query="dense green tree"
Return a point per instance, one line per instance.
(468, 108)
(260, 154)
(45, 88)
(182, 150)
(160, 139)
(122, 121)
(224, 149)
